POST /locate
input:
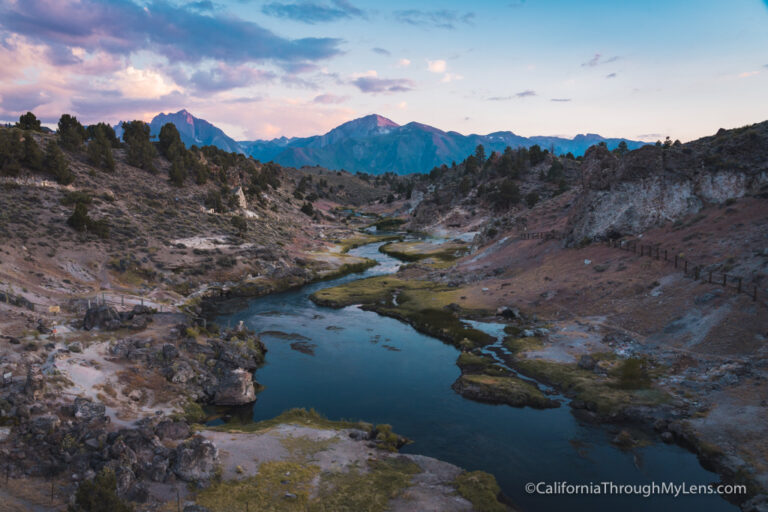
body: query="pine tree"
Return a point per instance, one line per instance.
(29, 121)
(33, 155)
(57, 164)
(140, 150)
(79, 219)
(71, 133)
(177, 173)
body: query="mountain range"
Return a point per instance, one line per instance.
(374, 144)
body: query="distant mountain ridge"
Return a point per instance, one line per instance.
(374, 144)
(195, 131)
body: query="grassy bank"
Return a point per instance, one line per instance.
(427, 306)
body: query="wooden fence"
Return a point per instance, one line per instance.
(541, 235)
(690, 270)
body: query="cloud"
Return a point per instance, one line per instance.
(203, 5)
(141, 83)
(440, 18)
(223, 77)
(330, 99)
(522, 94)
(611, 75)
(561, 100)
(177, 32)
(597, 59)
(437, 66)
(403, 63)
(103, 105)
(373, 84)
(23, 99)
(381, 51)
(451, 77)
(313, 12)
(748, 74)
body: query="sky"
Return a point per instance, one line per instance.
(261, 69)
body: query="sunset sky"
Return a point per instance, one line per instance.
(263, 69)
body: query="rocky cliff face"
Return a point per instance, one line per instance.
(654, 185)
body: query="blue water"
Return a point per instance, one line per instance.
(377, 369)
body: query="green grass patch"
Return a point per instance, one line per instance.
(387, 223)
(480, 489)
(605, 392)
(517, 345)
(369, 491)
(470, 362)
(419, 303)
(416, 251)
(303, 417)
(303, 448)
(361, 239)
(502, 389)
(265, 492)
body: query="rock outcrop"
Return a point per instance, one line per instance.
(195, 461)
(235, 387)
(103, 317)
(653, 185)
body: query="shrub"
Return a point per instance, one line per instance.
(80, 221)
(633, 375)
(531, 199)
(307, 209)
(239, 223)
(99, 495)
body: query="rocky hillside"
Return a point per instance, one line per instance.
(655, 185)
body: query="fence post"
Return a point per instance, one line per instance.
(685, 271)
(665, 255)
(122, 300)
(725, 279)
(103, 299)
(657, 253)
(739, 286)
(696, 271)
(89, 303)
(754, 293)
(710, 277)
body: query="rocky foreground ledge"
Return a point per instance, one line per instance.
(115, 410)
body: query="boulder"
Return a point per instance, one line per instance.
(89, 411)
(195, 461)
(75, 346)
(103, 317)
(34, 387)
(587, 362)
(170, 352)
(508, 313)
(235, 387)
(168, 429)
